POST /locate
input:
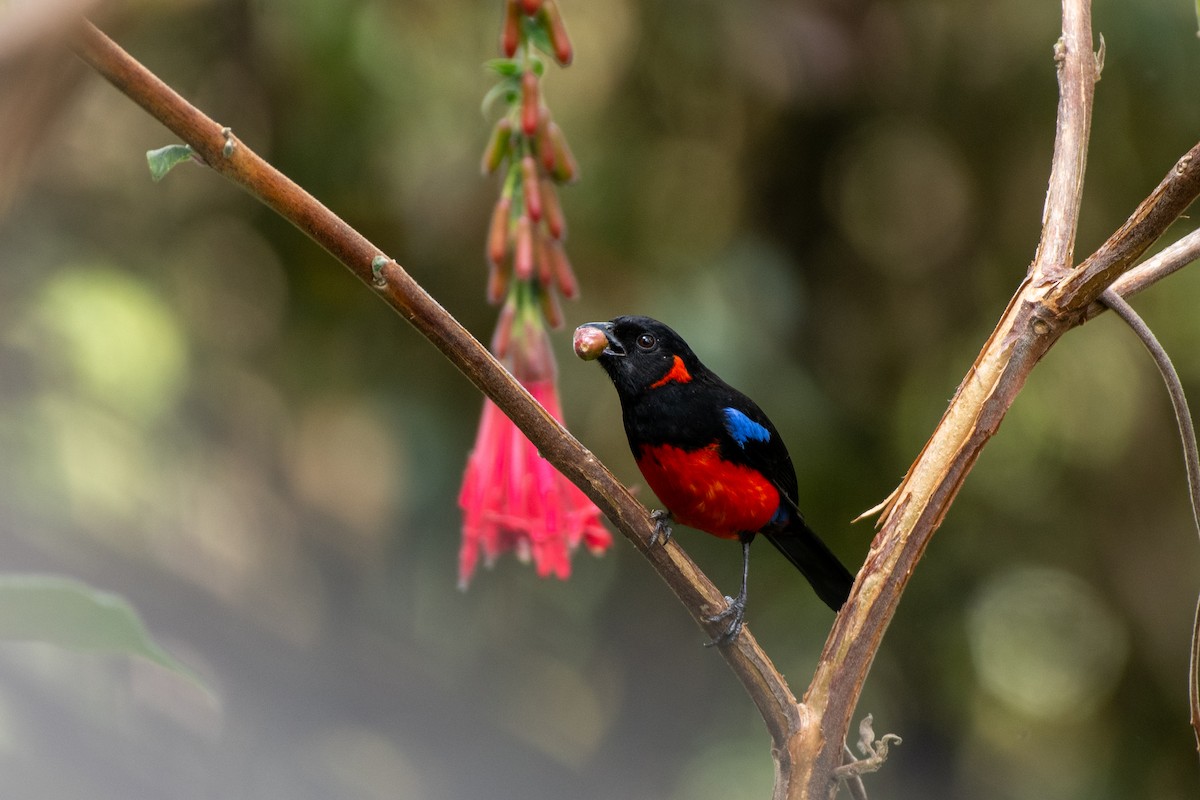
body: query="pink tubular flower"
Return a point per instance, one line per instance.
(512, 498)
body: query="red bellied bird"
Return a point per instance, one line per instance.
(710, 454)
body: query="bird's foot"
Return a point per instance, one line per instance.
(733, 615)
(662, 526)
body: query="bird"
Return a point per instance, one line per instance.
(710, 454)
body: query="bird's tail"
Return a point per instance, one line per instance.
(828, 577)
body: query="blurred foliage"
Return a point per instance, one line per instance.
(66, 613)
(832, 201)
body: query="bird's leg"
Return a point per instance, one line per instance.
(735, 611)
(662, 526)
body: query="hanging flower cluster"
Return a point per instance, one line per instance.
(512, 499)
(525, 238)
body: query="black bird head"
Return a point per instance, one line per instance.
(639, 353)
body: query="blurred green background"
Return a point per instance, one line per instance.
(832, 201)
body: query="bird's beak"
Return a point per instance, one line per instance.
(614, 347)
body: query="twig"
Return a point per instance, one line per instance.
(1077, 76)
(1167, 261)
(854, 783)
(875, 752)
(224, 153)
(1149, 221)
(1191, 460)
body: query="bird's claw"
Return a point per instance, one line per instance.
(662, 526)
(735, 612)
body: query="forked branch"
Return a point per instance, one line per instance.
(1051, 300)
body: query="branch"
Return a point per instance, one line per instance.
(1167, 261)
(917, 507)
(1049, 302)
(1078, 72)
(230, 157)
(1148, 222)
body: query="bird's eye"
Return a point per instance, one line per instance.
(646, 341)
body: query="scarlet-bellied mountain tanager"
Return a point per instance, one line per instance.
(710, 454)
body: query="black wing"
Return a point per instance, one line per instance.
(750, 438)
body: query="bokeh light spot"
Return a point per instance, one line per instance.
(903, 197)
(120, 340)
(1045, 643)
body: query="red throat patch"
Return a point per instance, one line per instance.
(678, 373)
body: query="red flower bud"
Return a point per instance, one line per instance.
(529, 102)
(545, 263)
(556, 30)
(499, 277)
(545, 150)
(523, 259)
(531, 7)
(541, 141)
(530, 186)
(510, 29)
(564, 276)
(497, 146)
(503, 335)
(564, 169)
(497, 240)
(556, 223)
(551, 309)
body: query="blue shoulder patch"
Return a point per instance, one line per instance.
(743, 429)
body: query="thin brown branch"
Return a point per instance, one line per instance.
(1145, 225)
(224, 153)
(1167, 261)
(920, 503)
(1019, 341)
(1078, 72)
(1048, 303)
(1034, 320)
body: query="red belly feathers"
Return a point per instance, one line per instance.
(704, 492)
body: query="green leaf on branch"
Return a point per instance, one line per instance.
(508, 89)
(165, 159)
(71, 614)
(505, 67)
(539, 37)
